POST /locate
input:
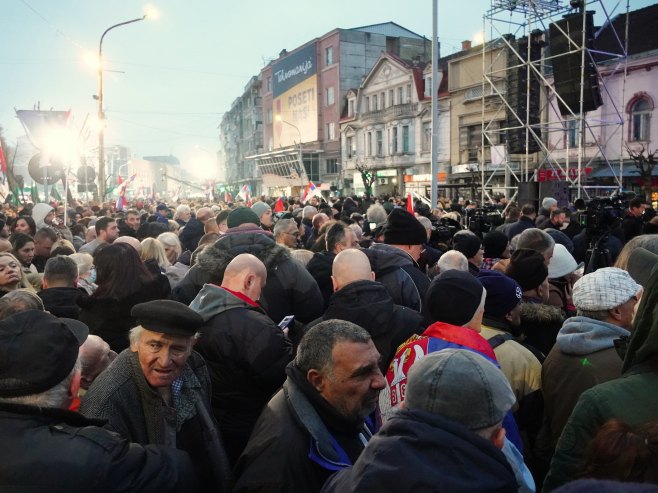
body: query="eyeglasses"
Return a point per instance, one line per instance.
(295, 234)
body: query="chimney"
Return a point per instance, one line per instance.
(283, 53)
(466, 45)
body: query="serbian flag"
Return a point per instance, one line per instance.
(410, 203)
(227, 197)
(244, 193)
(121, 201)
(3, 161)
(309, 191)
(279, 207)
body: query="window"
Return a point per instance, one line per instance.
(269, 84)
(427, 136)
(640, 118)
(400, 95)
(349, 144)
(369, 144)
(350, 107)
(332, 166)
(394, 140)
(331, 131)
(375, 101)
(470, 138)
(269, 116)
(428, 86)
(391, 94)
(408, 93)
(329, 55)
(330, 95)
(367, 104)
(405, 138)
(572, 132)
(380, 143)
(382, 100)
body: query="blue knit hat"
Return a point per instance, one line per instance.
(503, 293)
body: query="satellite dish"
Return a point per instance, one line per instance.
(85, 174)
(45, 171)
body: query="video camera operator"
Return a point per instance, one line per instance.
(633, 222)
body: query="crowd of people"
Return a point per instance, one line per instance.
(332, 345)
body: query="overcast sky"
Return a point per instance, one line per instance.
(169, 80)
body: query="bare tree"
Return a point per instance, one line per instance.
(368, 174)
(644, 160)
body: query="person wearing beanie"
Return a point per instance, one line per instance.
(404, 237)
(548, 205)
(540, 322)
(470, 245)
(448, 437)
(496, 248)
(585, 352)
(264, 213)
(561, 278)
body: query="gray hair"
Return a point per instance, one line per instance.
(19, 300)
(535, 239)
(376, 214)
(136, 332)
(600, 315)
(427, 224)
(171, 240)
(85, 262)
(480, 308)
(283, 226)
(309, 211)
(316, 346)
(54, 397)
(452, 260)
(182, 209)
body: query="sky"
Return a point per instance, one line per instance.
(169, 80)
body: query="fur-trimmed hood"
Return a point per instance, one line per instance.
(214, 258)
(539, 313)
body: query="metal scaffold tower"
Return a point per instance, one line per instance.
(547, 113)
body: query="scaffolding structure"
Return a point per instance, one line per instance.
(518, 53)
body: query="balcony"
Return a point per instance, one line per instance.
(397, 111)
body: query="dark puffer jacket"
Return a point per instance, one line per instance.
(368, 304)
(290, 289)
(320, 268)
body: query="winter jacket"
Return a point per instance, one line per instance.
(110, 318)
(39, 213)
(320, 268)
(420, 451)
(125, 230)
(368, 304)
(297, 443)
(584, 355)
(61, 302)
(59, 451)
(540, 324)
(137, 412)
(519, 226)
(631, 398)
(191, 234)
(401, 276)
(246, 353)
(290, 289)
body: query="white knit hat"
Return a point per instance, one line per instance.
(562, 262)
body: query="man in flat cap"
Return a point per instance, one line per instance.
(158, 390)
(46, 447)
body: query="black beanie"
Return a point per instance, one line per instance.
(527, 267)
(494, 244)
(402, 228)
(242, 215)
(467, 243)
(453, 297)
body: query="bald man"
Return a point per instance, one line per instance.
(245, 350)
(192, 232)
(359, 299)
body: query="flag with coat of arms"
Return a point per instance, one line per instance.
(309, 191)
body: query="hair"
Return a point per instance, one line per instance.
(182, 209)
(171, 240)
(601, 315)
(19, 300)
(528, 210)
(636, 202)
(30, 222)
(319, 217)
(315, 348)
(84, 262)
(358, 232)
(152, 249)
(621, 452)
(79, 230)
(452, 260)
(480, 308)
(102, 223)
(46, 234)
(23, 282)
(335, 235)
(61, 269)
(62, 247)
(222, 216)
(535, 239)
(556, 212)
(309, 211)
(120, 272)
(132, 212)
(302, 256)
(136, 332)
(55, 397)
(283, 226)
(376, 214)
(648, 242)
(513, 212)
(427, 224)
(19, 240)
(173, 226)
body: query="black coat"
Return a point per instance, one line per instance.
(59, 451)
(418, 451)
(520, 226)
(290, 289)
(247, 354)
(368, 304)
(320, 268)
(191, 234)
(62, 302)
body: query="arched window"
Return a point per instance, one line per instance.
(640, 120)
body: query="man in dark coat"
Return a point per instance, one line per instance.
(158, 390)
(194, 229)
(246, 351)
(526, 221)
(447, 438)
(318, 423)
(59, 294)
(364, 302)
(290, 289)
(129, 225)
(46, 447)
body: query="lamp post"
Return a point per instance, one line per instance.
(101, 114)
(300, 161)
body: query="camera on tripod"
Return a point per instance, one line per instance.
(604, 214)
(483, 219)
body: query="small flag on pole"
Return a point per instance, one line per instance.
(279, 207)
(309, 191)
(3, 161)
(410, 203)
(227, 197)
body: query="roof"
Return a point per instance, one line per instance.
(388, 29)
(641, 33)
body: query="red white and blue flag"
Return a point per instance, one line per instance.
(244, 193)
(121, 201)
(227, 197)
(309, 191)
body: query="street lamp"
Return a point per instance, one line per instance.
(300, 161)
(101, 114)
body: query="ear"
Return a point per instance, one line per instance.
(316, 379)
(615, 313)
(44, 283)
(334, 284)
(372, 275)
(498, 438)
